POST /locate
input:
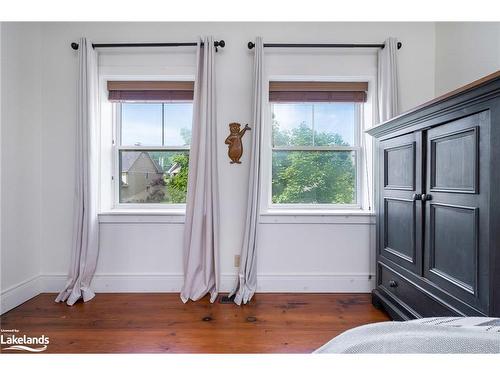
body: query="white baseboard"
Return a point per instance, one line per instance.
(19, 293)
(121, 283)
(316, 283)
(164, 283)
(299, 283)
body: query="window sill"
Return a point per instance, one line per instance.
(176, 216)
(272, 216)
(304, 216)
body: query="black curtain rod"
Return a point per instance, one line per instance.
(217, 44)
(321, 45)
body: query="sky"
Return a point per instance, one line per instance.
(328, 117)
(142, 123)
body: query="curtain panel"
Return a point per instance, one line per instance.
(201, 229)
(247, 275)
(387, 101)
(387, 81)
(85, 243)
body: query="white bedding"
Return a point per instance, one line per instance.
(429, 335)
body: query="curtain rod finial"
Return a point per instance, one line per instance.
(74, 46)
(251, 45)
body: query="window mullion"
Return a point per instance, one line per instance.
(359, 125)
(316, 148)
(118, 128)
(163, 124)
(152, 148)
(312, 124)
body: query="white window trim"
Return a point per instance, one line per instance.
(107, 162)
(143, 216)
(269, 209)
(116, 173)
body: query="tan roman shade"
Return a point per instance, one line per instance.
(121, 91)
(297, 91)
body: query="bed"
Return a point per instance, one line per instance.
(428, 335)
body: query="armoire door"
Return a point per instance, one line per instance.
(400, 209)
(456, 208)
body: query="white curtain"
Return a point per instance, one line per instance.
(387, 81)
(201, 230)
(85, 245)
(247, 276)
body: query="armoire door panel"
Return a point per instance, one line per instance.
(400, 214)
(456, 215)
(399, 236)
(453, 245)
(454, 161)
(399, 165)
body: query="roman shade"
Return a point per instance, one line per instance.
(299, 91)
(120, 91)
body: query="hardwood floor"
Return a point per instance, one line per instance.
(161, 323)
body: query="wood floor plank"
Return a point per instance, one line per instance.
(161, 323)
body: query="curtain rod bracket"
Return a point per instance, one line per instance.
(399, 45)
(219, 43)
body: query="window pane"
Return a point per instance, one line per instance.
(334, 124)
(141, 124)
(153, 176)
(178, 120)
(292, 124)
(318, 177)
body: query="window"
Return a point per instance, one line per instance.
(152, 136)
(315, 144)
(153, 151)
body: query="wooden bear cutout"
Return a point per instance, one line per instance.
(235, 146)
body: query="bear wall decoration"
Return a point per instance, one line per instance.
(235, 146)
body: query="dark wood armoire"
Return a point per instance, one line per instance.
(437, 179)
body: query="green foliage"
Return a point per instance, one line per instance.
(311, 176)
(177, 184)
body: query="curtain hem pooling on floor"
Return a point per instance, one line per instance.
(201, 229)
(247, 275)
(85, 246)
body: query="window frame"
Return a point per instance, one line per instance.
(116, 173)
(271, 207)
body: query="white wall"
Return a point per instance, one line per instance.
(295, 253)
(465, 51)
(20, 162)
(138, 250)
